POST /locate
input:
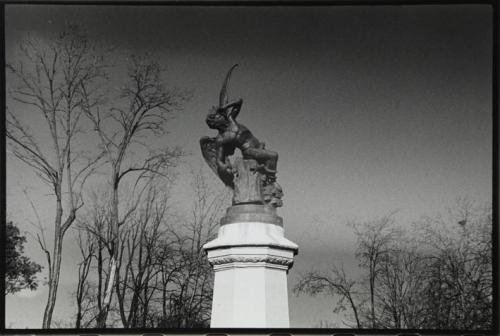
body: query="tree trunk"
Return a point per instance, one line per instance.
(372, 296)
(120, 298)
(354, 309)
(103, 314)
(99, 276)
(53, 282)
(56, 265)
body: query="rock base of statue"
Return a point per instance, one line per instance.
(247, 182)
(251, 185)
(251, 258)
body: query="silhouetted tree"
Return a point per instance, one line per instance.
(436, 276)
(335, 282)
(143, 108)
(48, 78)
(459, 286)
(87, 244)
(192, 301)
(20, 271)
(163, 277)
(375, 243)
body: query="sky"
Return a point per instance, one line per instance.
(372, 109)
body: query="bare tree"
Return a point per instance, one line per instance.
(146, 105)
(193, 300)
(436, 276)
(94, 237)
(459, 270)
(95, 252)
(374, 244)
(137, 276)
(399, 286)
(166, 280)
(335, 282)
(47, 79)
(96, 224)
(163, 277)
(87, 245)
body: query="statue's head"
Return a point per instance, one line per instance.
(216, 119)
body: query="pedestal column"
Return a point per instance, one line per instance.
(251, 258)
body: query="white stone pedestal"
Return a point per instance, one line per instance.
(251, 258)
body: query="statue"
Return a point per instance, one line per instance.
(252, 177)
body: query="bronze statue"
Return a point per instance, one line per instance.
(258, 164)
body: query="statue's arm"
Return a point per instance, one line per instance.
(234, 109)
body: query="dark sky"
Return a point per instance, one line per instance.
(371, 108)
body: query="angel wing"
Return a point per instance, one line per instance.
(223, 95)
(209, 152)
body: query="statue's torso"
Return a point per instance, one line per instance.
(237, 136)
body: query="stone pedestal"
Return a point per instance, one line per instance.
(251, 258)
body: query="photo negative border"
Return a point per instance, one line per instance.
(269, 331)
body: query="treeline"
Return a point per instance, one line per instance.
(437, 275)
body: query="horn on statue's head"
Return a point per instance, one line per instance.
(223, 97)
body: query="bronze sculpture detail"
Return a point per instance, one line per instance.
(252, 177)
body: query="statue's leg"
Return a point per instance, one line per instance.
(269, 158)
(272, 161)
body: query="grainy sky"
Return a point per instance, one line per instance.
(371, 108)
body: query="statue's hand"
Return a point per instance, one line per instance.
(232, 110)
(234, 104)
